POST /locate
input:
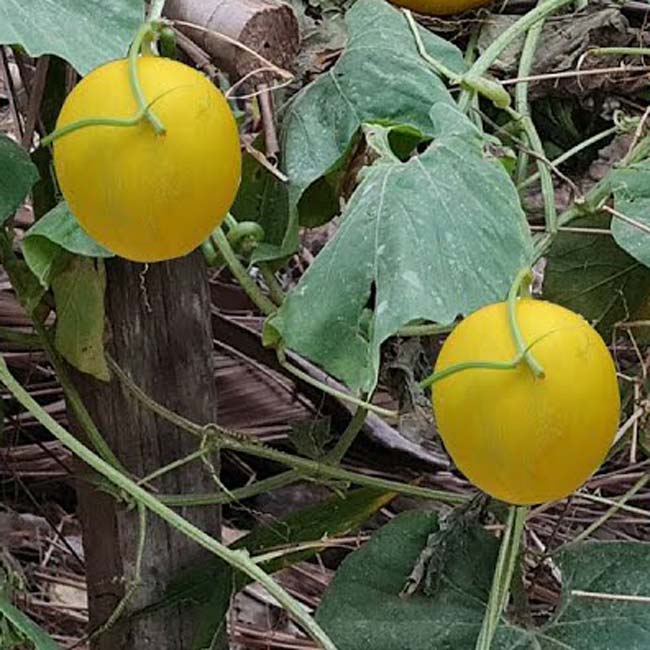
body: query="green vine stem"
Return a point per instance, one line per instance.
(134, 584)
(237, 559)
(236, 442)
(427, 329)
(604, 51)
(489, 88)
(91, 121)
(241, 274)
(145, 33)
(275, 289)
(525, 119)
(490, 55)
(524, 352)
(525, 276)
(348, 436)
(273, 482)
(569, 153)
(265, 485)
(521, 90)
(329, 390)
(210, 253)
(147, 30)
(508, 554)
(238, 494)
(548, 190)
(155, 9)
(174, 465)
(595, 198)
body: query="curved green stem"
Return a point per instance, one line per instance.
(237, 442)
(275, 289)
(134, 52)
(103, 121)
(268, 484)
(521, 90)
(155, 9)
(604, 51)
(210, 253)
(524, 276)
(523, 351)
(548, 189)
(345, 397)
(90, 121)
(237, 559)
(348, 436)
(428, 329)
(482, 365)
(237, 269)
(569, 153)
(469, 365)
(238, 494)
(508, 554)
(489, 88)
(491, 54)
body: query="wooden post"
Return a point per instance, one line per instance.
(268, 27)
(160, 333)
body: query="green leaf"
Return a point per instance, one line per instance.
(380, 78)
(49, 242)
(25, 626)
(631, 188)
(212, 583)
(594, 624)
(86, 33)
(79, 296)
(363, 609)
(263, 198)
(593, 276)
(17, 175)
(436, 236)
(333, 517)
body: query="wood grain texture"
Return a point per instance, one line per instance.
(160, 333)
(268, 27)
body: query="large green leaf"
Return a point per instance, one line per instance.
(584, 623)
(49, 242)
(363, 609)
(436, 236)
(631, 188)
(593, 276)
(381, 77)
(79, 296)
(85, 33)
(17, 175)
